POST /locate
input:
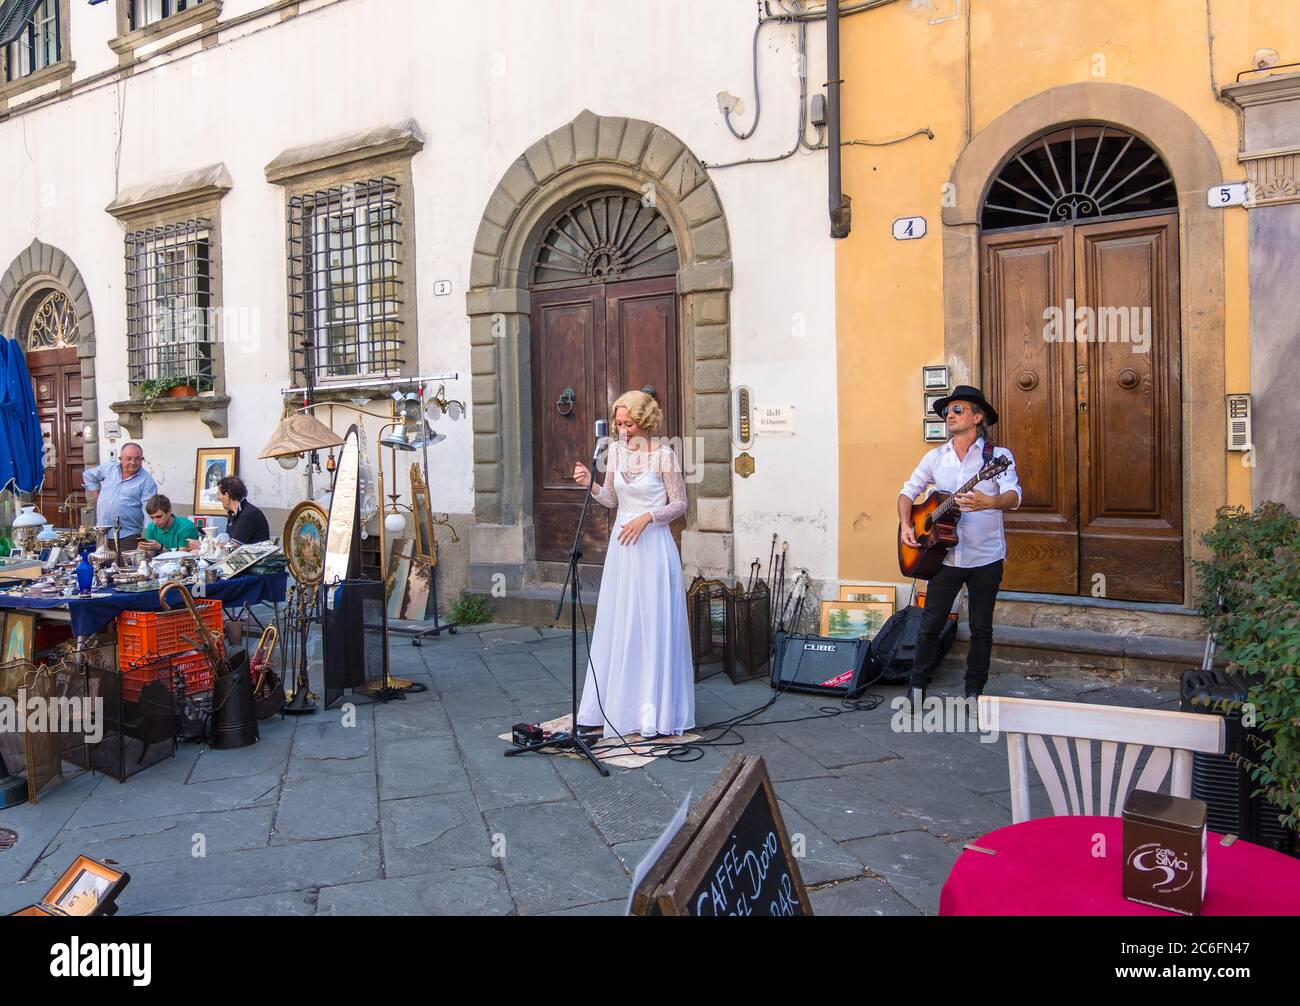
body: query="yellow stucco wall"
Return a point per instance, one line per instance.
(902, 73)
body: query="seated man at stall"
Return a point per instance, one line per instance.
(166, 532)
(246, 524)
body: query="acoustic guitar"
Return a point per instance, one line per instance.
(934, 522)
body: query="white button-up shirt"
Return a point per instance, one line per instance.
(980, 535)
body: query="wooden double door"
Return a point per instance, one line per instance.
(589, 345)
(1090, 406)
(56, 384)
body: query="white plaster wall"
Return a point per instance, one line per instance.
(484, 81)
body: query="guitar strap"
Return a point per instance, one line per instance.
(988, 453)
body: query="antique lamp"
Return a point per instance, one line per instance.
(25, 525)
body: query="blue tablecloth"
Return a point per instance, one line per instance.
(92, 615)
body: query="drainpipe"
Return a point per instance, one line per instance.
(840, 204)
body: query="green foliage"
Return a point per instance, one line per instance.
(1250, 595)
(149, 391)
(470, 609)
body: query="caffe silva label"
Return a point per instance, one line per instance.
(1164, 873)
(1170, 871)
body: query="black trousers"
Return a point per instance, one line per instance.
(982, 590)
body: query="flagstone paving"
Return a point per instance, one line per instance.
(410, 808)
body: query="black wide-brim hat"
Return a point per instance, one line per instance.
(965, 393)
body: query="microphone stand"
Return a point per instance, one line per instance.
(569, 740)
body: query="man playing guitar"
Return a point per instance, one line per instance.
(981, 548)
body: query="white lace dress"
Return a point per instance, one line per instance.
(641, 672)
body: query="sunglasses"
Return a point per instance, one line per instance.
(957, 410)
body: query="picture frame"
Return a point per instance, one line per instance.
(931, 399)
(854, 619)
(245, 557)
(934, 378)
(304, 541)
(399, 570)
(19, 636)
(880, 593)
(426, 546)
(211, 464)
(86, 888)
(935, 431)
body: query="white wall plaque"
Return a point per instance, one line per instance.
(1227, 194)
(441, 287)
(909, 228)
(774, 419)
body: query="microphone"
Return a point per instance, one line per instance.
(602, 439)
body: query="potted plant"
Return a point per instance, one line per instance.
(1250, 595)
(150, 391)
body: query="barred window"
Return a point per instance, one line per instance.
(168, 304)
(345, 255)
(145, 12)
(38, 43)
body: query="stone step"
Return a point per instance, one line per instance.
(535, 603)
(1091, 614)
(1028, 650)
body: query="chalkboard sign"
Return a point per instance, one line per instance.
(739, 861)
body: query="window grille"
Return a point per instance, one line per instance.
(145, 12)
(39, 43)
(1078, 173)
(605, 237)
(345, 256)
(169, 303)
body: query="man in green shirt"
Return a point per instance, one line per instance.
(166, 531)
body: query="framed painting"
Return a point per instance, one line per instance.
(211, 465)
(20, 636)
(884, 593)
(853, 619)
(304, 541)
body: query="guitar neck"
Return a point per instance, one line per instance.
(950, 502)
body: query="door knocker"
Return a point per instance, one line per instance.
(564, 404)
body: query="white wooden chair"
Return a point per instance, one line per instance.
(1172, 737)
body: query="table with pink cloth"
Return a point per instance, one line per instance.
(1047, 866)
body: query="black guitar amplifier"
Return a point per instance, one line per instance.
(820, 664)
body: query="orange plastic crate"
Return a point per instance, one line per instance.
(162, 633)
(197, 670)
(195, 667)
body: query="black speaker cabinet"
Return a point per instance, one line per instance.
(819, 664)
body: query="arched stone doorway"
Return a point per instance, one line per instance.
(45, 305)
(587, 157)
(1197, 271)
(1079, 321)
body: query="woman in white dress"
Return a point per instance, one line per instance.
(640, 672)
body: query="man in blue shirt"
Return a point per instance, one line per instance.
(119, 490)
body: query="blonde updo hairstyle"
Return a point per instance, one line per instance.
(643, 410)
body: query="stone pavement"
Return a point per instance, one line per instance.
(414, 810)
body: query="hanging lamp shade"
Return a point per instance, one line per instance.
(298, 434)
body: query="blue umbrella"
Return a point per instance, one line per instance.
(22, 455)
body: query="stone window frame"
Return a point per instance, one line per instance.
(193, 195)
(129, 40)
(60, 71)
(385, 151)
